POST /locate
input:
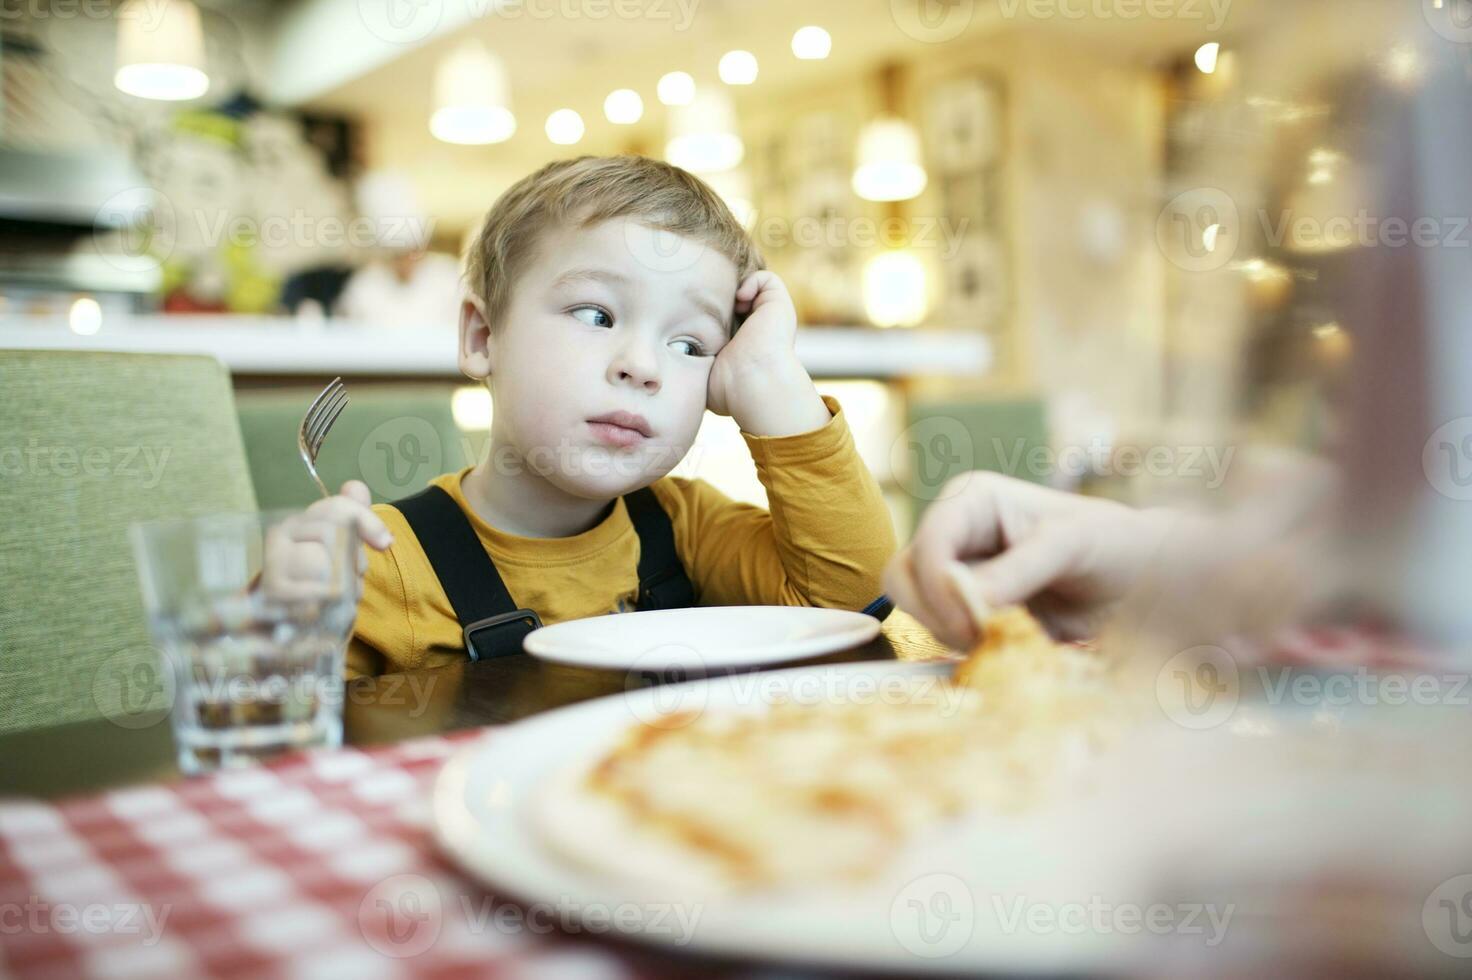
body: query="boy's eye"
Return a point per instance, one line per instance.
(595, 311)
(690, 348)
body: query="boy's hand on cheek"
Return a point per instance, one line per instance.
(757, 378)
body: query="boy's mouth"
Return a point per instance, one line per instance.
(622, 429)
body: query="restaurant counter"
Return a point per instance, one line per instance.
(275, 347)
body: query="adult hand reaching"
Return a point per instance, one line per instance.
(992, 540)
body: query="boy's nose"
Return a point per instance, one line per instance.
(636, 364)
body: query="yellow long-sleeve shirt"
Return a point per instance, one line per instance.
(824, 542)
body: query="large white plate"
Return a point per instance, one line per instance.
(701, 638)
(935, 910)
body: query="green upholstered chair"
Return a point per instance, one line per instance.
(394, 438)
(90, 442)
(948, 438)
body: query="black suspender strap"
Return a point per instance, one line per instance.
(880, 608)
(663, 583)
(493, 626)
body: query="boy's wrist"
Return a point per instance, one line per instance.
(777, 399)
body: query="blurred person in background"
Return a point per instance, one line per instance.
(405, 284)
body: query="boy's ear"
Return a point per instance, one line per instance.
(475, 340)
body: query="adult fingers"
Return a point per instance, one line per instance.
(1025, 569)
(965, 522)
(902, 587)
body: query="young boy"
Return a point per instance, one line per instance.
(605, 296)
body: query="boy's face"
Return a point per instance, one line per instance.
(601, 363)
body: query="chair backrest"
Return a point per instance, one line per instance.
(395, 438)
(949, 438)
(89, 443)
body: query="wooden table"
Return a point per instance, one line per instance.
(95, 755)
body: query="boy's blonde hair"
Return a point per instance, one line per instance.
(588, 190)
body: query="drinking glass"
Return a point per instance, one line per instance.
(252, 637)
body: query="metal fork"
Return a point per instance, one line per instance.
(317, 423)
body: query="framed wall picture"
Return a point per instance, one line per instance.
(964, 125)
(963, 132)
(975, 280)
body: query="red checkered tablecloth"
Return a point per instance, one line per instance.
(281, 870)
(322, 865)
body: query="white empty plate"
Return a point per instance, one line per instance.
(701, 638)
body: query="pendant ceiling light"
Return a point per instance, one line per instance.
(889, 161)
(160, 50)
(702, 135)
(472, 98)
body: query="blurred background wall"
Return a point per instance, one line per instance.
(1099, 276)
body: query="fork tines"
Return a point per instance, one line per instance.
(323, 413)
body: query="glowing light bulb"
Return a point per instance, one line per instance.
(738, 68)
(565, 127)
(812, 43)
(1206, 57)
(676, 88)
(623, 107)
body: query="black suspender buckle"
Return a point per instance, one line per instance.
(667, 589)
(500, 636)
